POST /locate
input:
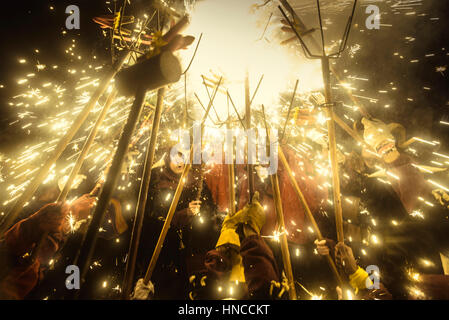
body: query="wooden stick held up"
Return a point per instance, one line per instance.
(309, 214)
(175, 201)
(142, 200)
(280, 220)
(42, 173)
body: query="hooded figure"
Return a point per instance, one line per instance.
(193, 228)
(294, 214)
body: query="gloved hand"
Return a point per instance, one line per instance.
(252, 215)
(325, 246)
(344, 258)
(255, 217)
(321, 247)
(194, 208)
(142, 291)
(81, 207)
(442, 197)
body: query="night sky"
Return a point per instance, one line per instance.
(402, 67)
(406, 56)
(30, 25)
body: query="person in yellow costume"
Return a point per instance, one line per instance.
(357, 277)
(241, 266)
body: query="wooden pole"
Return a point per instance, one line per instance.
(88, 246)
(86, 147)
(333, 149)
(231, 182)
(174, 203)
(167, 223)
(208, 94)
(249, 166)
(351, 132)
(284, 244)
(280, 220)
(79, 162)
(142, 201)
(231, 173)
(231, 176)
(41, 175)
(309, 214)
(289, 110)
(186, 106)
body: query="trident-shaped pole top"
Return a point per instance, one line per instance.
(307, 51)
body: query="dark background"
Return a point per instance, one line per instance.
(29, 25)
(376, 61)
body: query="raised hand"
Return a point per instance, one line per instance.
(194, 207)
(81, 206)
(345, 258)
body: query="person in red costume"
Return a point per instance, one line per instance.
(408, 223)
(20, 269)
(294, 213)
(193, 227)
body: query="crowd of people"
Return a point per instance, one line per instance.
(211, 254)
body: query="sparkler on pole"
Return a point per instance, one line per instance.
(328, 104)
(280, 219)
(79, 162)
(142, 200)
(158, 71)
(175, 201)
(28, 193)
(324, 57)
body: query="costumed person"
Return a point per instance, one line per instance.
(193, 229)
(429, 287)
(357, 277)
(298, 232)
(45, 194)
(399, 212)
(22, 268)
(107, 263)
(240, 236)
(294, 214)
